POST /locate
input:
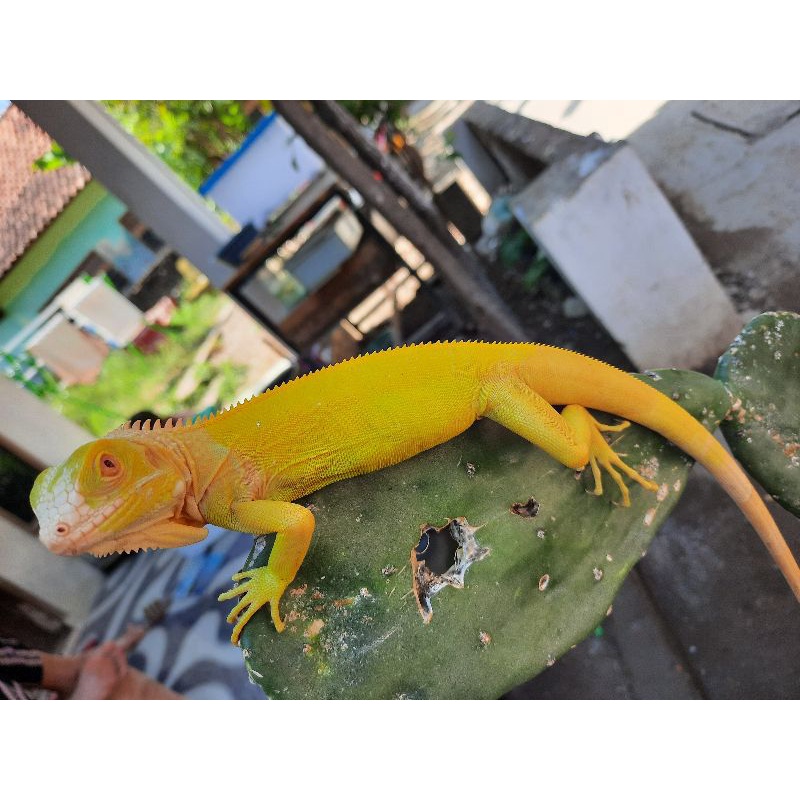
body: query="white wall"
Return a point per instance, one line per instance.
(33, 430)
(68, 584)
(261, 177)
(611, 233)
(37, 434)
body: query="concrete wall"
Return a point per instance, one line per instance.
(727, 167)
(610, 230)
(612, 235)
(37, 434)
(68, 584)
(33, 430)
(730, 169)
(612, 120)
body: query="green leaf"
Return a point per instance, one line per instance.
(191, 136)
(354, 629)
(762, 371)
(54, 158)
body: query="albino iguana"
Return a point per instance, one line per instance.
(243, 469)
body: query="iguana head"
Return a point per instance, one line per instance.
(114, 495)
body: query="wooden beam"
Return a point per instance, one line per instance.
(475, 293)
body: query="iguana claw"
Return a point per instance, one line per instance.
(602, 455)
(259, 587)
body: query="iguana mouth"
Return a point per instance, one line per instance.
(68, 543)
(73, 540)
(115, 546)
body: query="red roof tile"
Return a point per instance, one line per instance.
(29, 200)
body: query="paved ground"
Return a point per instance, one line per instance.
(730, 171)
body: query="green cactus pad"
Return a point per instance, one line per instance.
(762, 371)
(355, 628)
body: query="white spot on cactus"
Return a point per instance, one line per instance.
(544, 582)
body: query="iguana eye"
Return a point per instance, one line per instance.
(109, 466)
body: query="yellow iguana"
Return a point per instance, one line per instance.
(243, 469)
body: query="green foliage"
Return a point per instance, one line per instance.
(372, 112)
(54, 158)
(353, 626)
(518, 251)
(537, 269)
(450, 153)
(762, 371)
(194, 319)
(192, 136)
(515, 246)
(25, 371)
(231, 376)
(132, 381)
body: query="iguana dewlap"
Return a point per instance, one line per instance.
(244, 468)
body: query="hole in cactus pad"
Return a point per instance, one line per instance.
(437, 548)
(529, 509)
(441, 558)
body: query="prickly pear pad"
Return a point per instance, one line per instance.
(354, 627)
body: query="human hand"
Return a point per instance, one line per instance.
(101, 672)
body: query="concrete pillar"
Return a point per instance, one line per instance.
(32, 430)
(610, 232)
(36, 433)
(147, 186)
(67, 584)
(473, 153)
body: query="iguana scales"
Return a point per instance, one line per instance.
(245, 468)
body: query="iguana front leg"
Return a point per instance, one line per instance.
(293, 526)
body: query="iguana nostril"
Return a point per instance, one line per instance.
(62, 529)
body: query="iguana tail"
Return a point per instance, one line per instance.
(564, 378)
(677, 425)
